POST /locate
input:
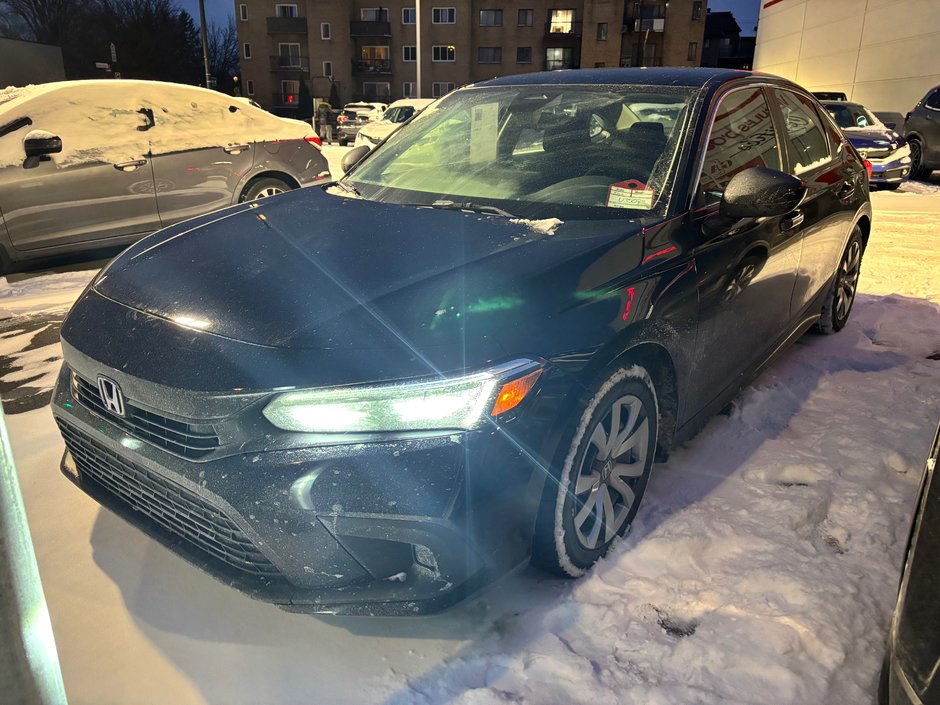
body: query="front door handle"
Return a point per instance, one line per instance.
(236, 148)
(792, 222)
(130, 166)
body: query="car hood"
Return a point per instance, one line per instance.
(313, 270)
(873, 138)
(379, 130)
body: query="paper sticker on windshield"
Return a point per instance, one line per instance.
(483, 132)
(630, 194)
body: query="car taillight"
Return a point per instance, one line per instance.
(314, 140)
(342, 118)
(867, 168)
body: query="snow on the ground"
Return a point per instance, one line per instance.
(761, 569)
(30, 294)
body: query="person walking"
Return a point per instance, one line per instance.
(323, 119)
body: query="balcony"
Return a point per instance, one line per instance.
(559, 28)
(291, 64)
(359, 28)
(372, 66)
(287, 25)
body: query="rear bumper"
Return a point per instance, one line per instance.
(387, 528)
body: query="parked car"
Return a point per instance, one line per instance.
(397, 114)
(922, 131)
(378, 395)
(92, 164)
(912, 662)
(888, 152)
(830, 95)
(353, 117)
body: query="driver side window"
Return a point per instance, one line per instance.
(742, 136)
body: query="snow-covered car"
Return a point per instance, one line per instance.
(911, 674)
(398, 113)
(353, 116)
(94, 164)
(886, 150)
(375, 396)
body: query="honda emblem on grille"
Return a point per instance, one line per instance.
(111, 395)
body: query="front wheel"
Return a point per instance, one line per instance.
(603, 475)
(262, 188)
(838, 306)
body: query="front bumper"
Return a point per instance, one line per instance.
(395, 527)
(890, 170)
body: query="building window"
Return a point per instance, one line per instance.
(290, 92)
(443, 15)
(559, 58)
(523, 55)
(249, 87)
(490, 55)
(525, 18)
(246, 50)
(408, 89)
(328, 69)
(491, 18)
(373, 14)
(602, 31)
(441, 52)
(439, 89)
(288, 55)
(409, 53)
(243, 12)
(325, 30)
(561, 22)
(408, 15)
(377, 91)
(697, 10)
(693, 51)
(285, 10)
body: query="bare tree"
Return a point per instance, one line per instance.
(223, 53)
(48, 21)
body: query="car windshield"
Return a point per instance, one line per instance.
(848, 116)
(399, 114)
(566, 152)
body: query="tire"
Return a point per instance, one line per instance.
(835, 312)
(343, 143)
(264, 187)
(918, 171)
(576, 528)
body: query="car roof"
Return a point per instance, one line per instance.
(672, 76)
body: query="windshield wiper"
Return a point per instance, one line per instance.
(349, 187)
(472, 207)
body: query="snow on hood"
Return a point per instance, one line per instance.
(99, 120)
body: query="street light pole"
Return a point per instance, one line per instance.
(418, 48)
(205, 40)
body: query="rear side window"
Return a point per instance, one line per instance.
(933, 100)
(809, 146)
(742, 136)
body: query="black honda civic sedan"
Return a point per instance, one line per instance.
(375, 396)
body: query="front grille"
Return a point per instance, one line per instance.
(179, 437)
(169, 505)
(875, 153)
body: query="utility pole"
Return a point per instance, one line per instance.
(418, 55)
(205, 40)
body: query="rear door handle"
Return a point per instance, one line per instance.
(130, 166)
(236, 148)
(792, 222)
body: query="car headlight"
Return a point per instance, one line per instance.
(456, 403)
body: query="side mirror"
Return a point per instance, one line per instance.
(39, 143)
(760, 192)
(353, 157)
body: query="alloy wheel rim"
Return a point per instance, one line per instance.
(848, 279)
(611, 468)
(268, 191)
(915, 156)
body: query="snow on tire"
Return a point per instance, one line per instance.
(603, 476)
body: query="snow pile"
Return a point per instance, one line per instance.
(99, 120)
(920, 187)
(764, 563)
(546, 226)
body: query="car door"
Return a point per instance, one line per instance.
(98, 188)
(201, 146)
(930, 128)
(814, 151)
(746, 268)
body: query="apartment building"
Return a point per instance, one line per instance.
(293, 50)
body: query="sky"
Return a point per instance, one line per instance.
(217, 11)
(745, 12)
